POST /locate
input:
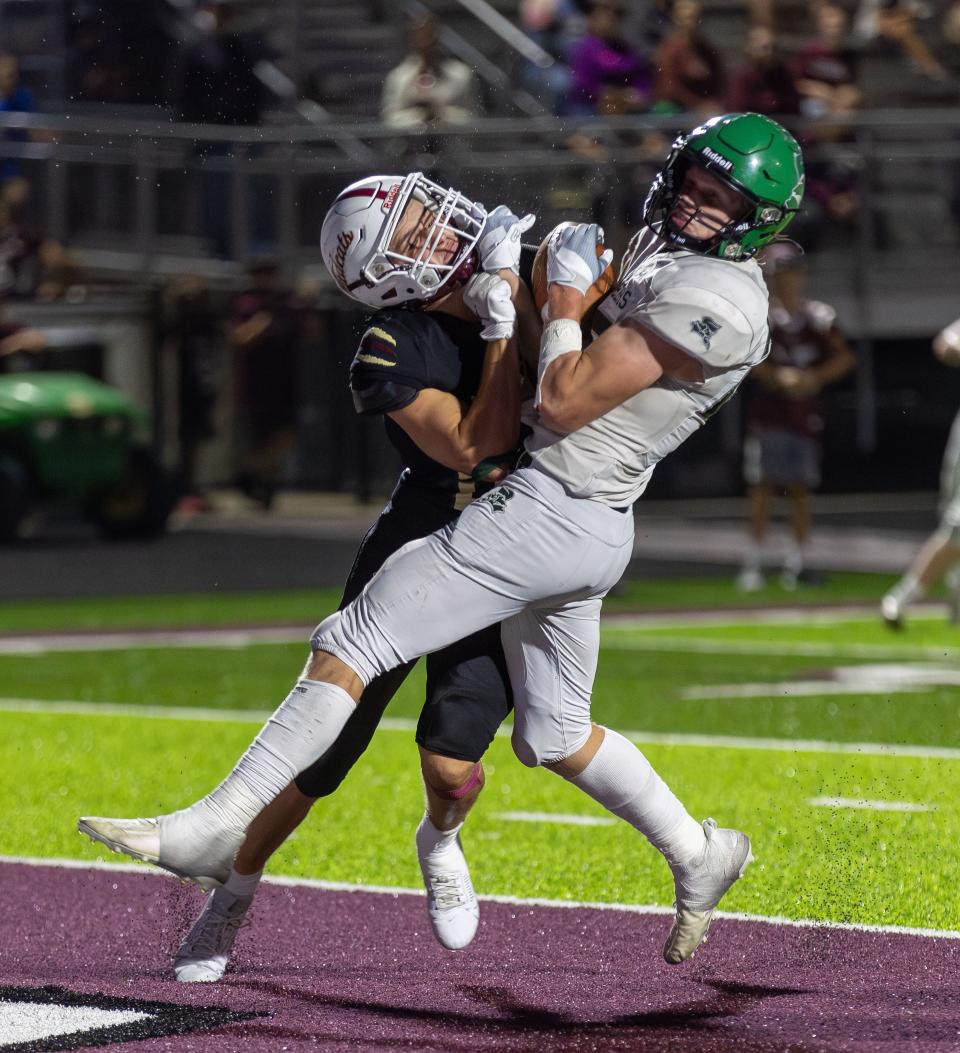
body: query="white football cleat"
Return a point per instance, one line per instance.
(750, 579)
(892, 611)
(177, 843)
(701, 884)
(205, 952)
(451, 902)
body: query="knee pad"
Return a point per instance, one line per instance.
(326, 635)
(536, 751)
(523, 750)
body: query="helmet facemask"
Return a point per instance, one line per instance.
(664, 197)
(452, 213)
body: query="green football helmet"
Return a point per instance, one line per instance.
(753, 155)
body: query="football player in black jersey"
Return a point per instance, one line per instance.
(432, 262)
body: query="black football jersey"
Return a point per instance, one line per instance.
(401, 353)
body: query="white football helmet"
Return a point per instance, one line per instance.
(356, 234)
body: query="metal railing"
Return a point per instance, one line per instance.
(145, 196)
(151, 198)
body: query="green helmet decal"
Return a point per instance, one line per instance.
(753, 155)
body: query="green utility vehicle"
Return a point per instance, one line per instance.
(66, 436)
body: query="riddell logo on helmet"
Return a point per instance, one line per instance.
(391, 197)
(717, 159)
(344, 240)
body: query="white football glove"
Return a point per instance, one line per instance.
(488, 296)
(499, 244)
(572, 255)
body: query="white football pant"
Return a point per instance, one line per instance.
(526, 555)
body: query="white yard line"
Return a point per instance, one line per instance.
(686, 644)
(227, 639)
(249, 636)
(624, 622)
(556, 817)
(407, 725)
(798, 689)
(560, 904)
(870, 806)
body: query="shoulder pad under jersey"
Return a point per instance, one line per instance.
(389, 367)
(709, 308)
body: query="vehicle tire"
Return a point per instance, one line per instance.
(14, 495)
(140, 503)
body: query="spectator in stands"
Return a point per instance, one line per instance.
(14, 98)
(764, 83)
(784, 411)
(825, 71)
(824, 67)
(892, 24)
(266, 328)
(950, 33)
(609, 75)
(31, 266)
(428, 87)
(649, 24)
(547, 23)
(690, 76)
(194, 334)
(16, 343)
(218, 85)
(117, 51)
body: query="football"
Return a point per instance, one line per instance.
(596, 292)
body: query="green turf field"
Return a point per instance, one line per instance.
(781, 735)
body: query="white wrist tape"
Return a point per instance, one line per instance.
(560, 337)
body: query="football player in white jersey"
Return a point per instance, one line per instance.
(939, 555)
(686, 321)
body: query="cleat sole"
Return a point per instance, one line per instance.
(208, 884)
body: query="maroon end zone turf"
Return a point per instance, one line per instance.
(360, 971)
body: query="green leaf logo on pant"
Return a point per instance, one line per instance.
(497, 499)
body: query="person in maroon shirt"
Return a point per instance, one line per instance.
(764, 83)
(689, 69)
(266, 328)
(824, 66)
(784, 411)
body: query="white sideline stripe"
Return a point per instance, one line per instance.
(249, 636)
(870, 806)
(556, 817)
(562, 904)
(686, 645)
(869, 749)
(763, 616)
(124, 641)
(799, 689)
(405, 724)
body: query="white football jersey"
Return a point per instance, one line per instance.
(716, 311)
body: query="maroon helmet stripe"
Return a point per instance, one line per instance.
(362, 192)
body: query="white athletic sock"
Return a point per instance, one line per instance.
(434, 842)
(794, 560)
(242, 885)
(753, 557)
(301, 729)
(622, 779)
